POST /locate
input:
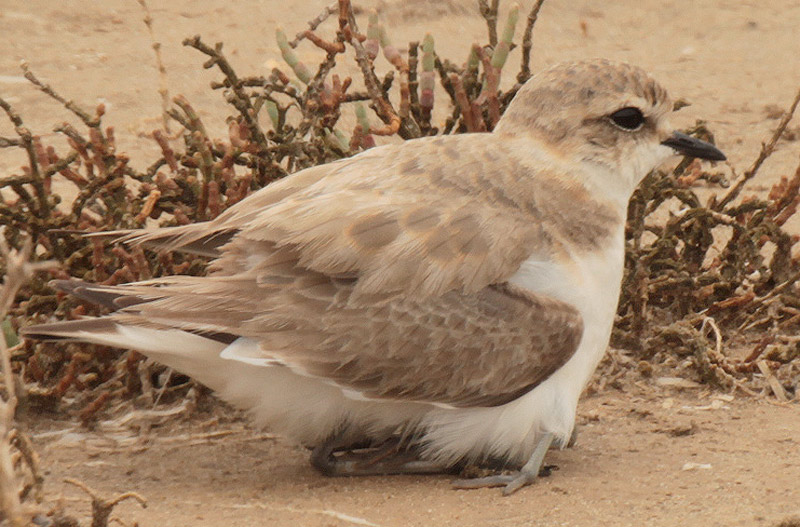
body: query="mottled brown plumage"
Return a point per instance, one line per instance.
(503, 340)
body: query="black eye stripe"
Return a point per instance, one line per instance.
(629, 118)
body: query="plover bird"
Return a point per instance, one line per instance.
(447, 298)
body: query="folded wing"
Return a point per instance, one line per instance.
(386, 278)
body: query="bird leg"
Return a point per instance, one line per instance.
(394, 456)
(573, 438)
(516, 480)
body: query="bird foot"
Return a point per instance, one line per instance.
(510, 482)
(516, 480)
(392, 457)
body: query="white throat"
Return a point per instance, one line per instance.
(617, 183)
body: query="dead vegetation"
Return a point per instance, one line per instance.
(20, 477)
(713, 282)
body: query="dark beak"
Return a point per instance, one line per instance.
(692, 147)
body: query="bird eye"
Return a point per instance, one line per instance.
(629, 118)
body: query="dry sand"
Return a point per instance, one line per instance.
(733, 60)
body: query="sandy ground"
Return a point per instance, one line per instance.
(735, 61)
(644, 457)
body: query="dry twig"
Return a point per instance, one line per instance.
(163, 90)
(102, 507)
(766, 151)
(18, 270)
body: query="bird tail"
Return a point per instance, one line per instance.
(195, 355)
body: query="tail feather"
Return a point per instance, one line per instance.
(104, 296)
(72, 330)
(201, 239)
(195, 355)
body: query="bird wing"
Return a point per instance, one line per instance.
(423, 217)
(480, 349)
(386, 274)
